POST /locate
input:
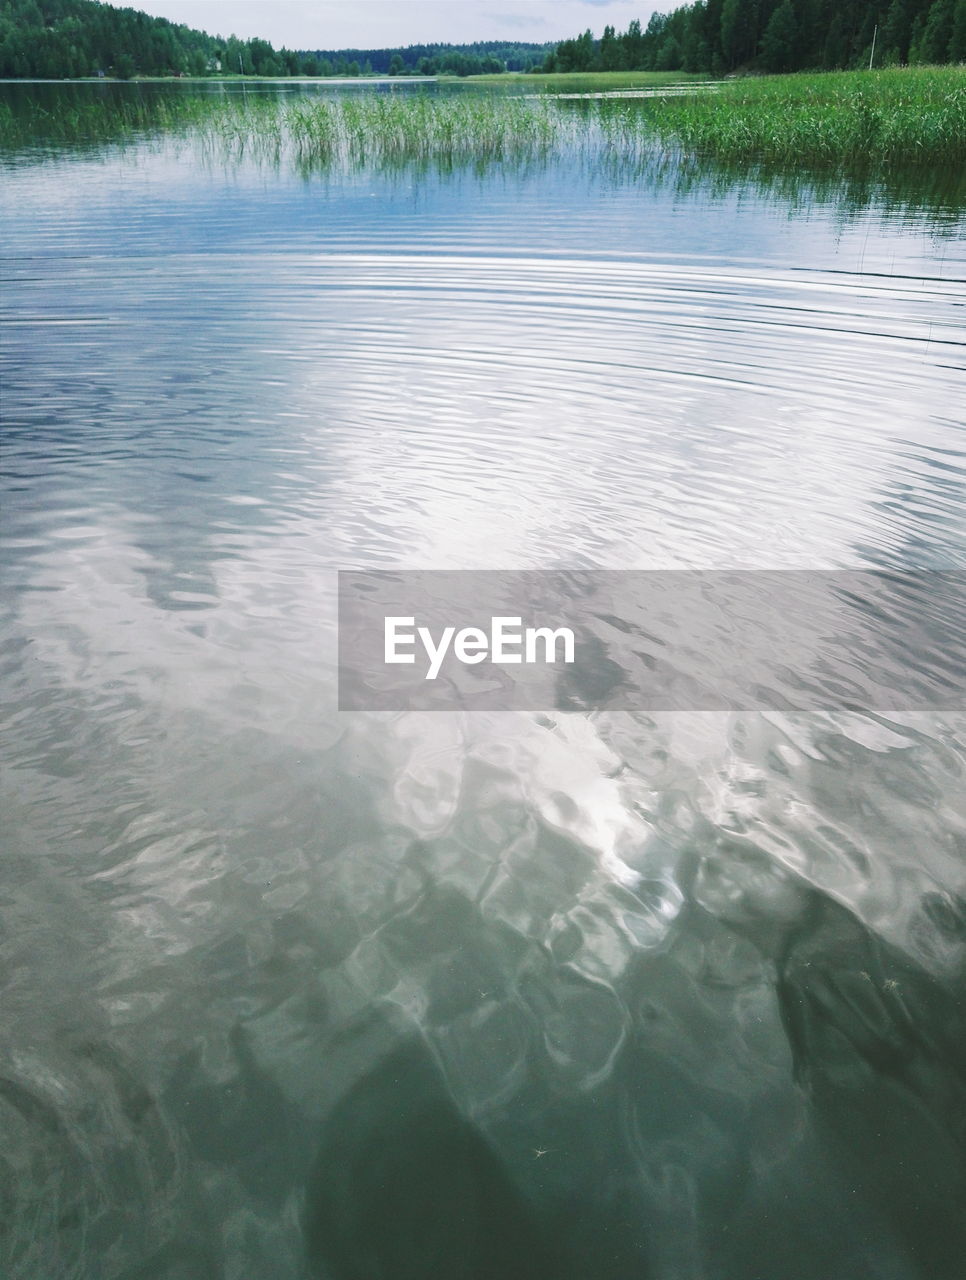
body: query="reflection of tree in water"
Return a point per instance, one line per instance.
(757, 1125)
(406, 134)
(405, 1187)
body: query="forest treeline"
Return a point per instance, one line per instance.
(54, 39)
(485, 57)
(721, 36)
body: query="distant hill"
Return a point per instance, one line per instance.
(63, 39)
(58, 38)
(482, 58)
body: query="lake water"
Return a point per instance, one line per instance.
(289, 992)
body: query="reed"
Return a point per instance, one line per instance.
(78, 118)
(386, 128)
(588, 81)
(912, 115)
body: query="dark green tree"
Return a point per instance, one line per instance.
(895, 34)
(633, 43)
(779, 44)
(938, 32)
(610, 55)
(669, 55)
(778, 35)
(957, 41)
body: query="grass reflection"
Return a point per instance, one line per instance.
(873, 144)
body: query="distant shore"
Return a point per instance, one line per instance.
(226, 79)
(909, 115)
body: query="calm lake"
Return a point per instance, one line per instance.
(601, 994)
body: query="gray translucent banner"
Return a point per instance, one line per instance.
(651, 641)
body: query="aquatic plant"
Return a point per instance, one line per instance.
(910, 114)
(915, 116)
(590, 81)
(383, 129)
(85, 116)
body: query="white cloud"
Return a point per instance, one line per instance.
(517, 21)
(373, 24)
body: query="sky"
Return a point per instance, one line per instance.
(377, 24)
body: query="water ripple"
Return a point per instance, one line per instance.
(654, 966)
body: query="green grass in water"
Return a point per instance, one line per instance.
(589, 81)
(909, 114)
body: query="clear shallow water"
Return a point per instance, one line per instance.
(288, 992)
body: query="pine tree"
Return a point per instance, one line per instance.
(957, 41)
(778, 44)
(938, 32)
(609, 55)
(896, 33)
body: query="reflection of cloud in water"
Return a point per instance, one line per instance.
(480, 411)
(618, 936)
(759, 797)
(626, 432)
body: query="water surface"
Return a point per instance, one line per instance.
(289, 992)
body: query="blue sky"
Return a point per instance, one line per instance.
(331, 24)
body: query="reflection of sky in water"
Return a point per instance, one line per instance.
(225, 384)
(301, 376)
(548, 208)
(429, 354)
